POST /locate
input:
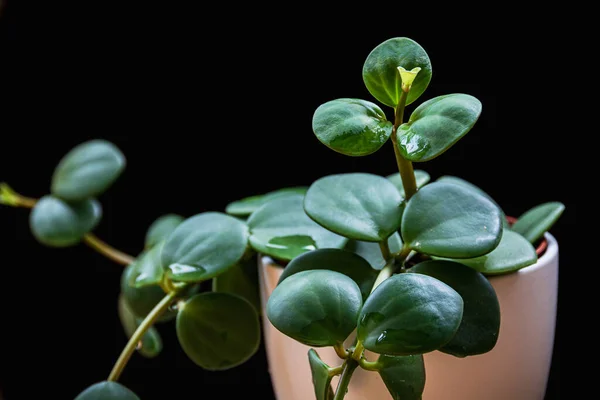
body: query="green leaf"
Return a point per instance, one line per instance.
(143, 299)
(56, 223)
(469, 185)
(242, 280)
(356, 205)
(437, 125)
(351, 127)
(88, 170)
(161, 228)
(409, 314)
(204, 246)
(380, 71)
(320, 376)
(536, 222)
(281, 229)
(343, 261)
(218, 331)
(421, 177)
(448, 220)
(147, 269)
(404, 377)
(371, 251)
(513, 253)
(480, 326)
(317, 308)
(107, 390)
(151, 343)
(246, 206)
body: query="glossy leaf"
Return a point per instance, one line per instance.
(318, 308)
(351, 127)
(371, 251)
(380, 71)
(513, 253)
(56, 223)
(459, 181)
(87, 170)
(161, 228)
(218, 331)
(421, 177)
(107, 390)
(151, 343)
(248, 205)
(448, 220)
(242, 280)
(480, 325)
(204, 246)
(436, 125)
(281, 229)
(534, 223)
(343, 261)
(356, 205)
(147, 269)
(143, 299)
(404, 376)
(320, 376)
(409, 314)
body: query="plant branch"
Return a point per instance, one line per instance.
(150, 319)
(405, 167)
(11, 198)
(385, 250)
(369, 365)
(341, 351)
(347, 371)
(106, 250)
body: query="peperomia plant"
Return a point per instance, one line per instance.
(397, 265)
(394, 265)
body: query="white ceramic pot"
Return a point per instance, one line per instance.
(516, 369)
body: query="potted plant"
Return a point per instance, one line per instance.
(399, 287)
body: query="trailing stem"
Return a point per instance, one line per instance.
(347, 370)
(404, 166)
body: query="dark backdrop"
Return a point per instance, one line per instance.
(209, 107)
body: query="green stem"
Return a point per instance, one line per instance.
(347, 371)
(341, 351)
(335, 371)
(369, 365)
(385, 273)
(405, 166)
(11, 198)
(358, 350)
(109, 252)
(146, 324)
(385, 250)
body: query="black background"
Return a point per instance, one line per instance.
(210, 106)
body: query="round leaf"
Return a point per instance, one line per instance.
(107, 390)
(54, 222)
(204, 246)
(534, 223)
(161, 228)
(421, 177)
(469, 185)
(356, 205)
(448, 220)
(343, 261)
(242, 280)
(218, 331)
(246, 206)
(409, 314)
(320, 376)
(151, 343)
(281, 229)
(147, 269)
(372, 252)
(87, 170)
(380, 71)
(436, 125)
(404, 377)
(513, 253)
(352, 127)
(143, 299)
(318, 308)
(478, 331)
